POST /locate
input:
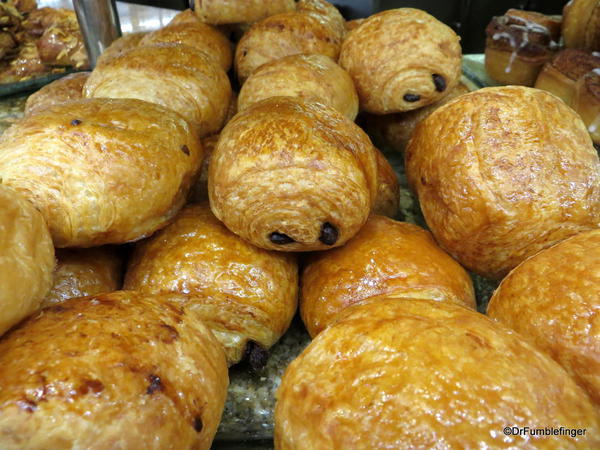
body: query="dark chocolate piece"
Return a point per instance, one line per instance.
(440, 82)
(256, 356)
(75, 122)
(185, 149)
(279, 238)
(411, 98)
(155, 384)
(198, 424)
(329, 234)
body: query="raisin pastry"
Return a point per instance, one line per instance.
(120, 370)
(387, 199)
(311, 77)
(426, 374)
(502, 173)
(292, 175)
(102, 171)
(26, 258)
(175, 76)
(581, 24)
(586, 101)
(401, 59)
(246, 296)
(386, 258)
(63, 90)
(553, 299)
(240, 11)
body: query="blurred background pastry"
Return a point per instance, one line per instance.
(387, 199)
(581, 24)
(239, 11)
(586, 101)
(65, 89)
(120, 46)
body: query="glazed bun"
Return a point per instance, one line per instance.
(198, 35)
(175, 76)
(387, 199)
(310, 77)
(553, 299)
(26, 258)
(120, 46)
(240, 11)
(63, 90)
(495, 186)
(581, 24)
(386, 258)
(425, 374)
(102, 170)
(401, 59)
(246, 296)
(83, 272)
(293, 176)
(121, 370)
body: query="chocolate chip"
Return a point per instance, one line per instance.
(279, 238)
(155, 384)
(75, 122)
(185, 149)
(256, 356)
(198, 424)
(329, 234)
(440, 82)
(411, 98)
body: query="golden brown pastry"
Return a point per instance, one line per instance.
(586, 102)
(63, 90)
(61, 43)
(311, 77)
(102, 170)
(82, 272)
(518, 44)
(307, 31)
(394, 130)
(386, 258)
(199, 35)
(425, 374)
(560, 75)
(401, 59)
(26, 258)
(178, 77)
(581, 24)
(25, 65)
(387, 199)
(240, 11)
(292, 175)
(553, 299)
(502, 173)
(120, 46)
(185, 16)
(245, 295)
(121, 370)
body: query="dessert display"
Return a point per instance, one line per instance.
(581, 24)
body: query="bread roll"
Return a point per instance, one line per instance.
(121, 370)
(120, 46)
(310, 77)
(198, 35)
(386, 258)
(307, 30)
(63, 90)
(102, 171)
(178, 77)
(293, 176)
(425, 374)
(246, 296)
(401, 59)
(82, 272)
(26, 258)
(553, 299)
(581, 24)
(502, 173)
(239, 11)
(387, 199)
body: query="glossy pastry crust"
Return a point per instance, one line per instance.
(83, 272)
(581, 24)
(310, 77)
(386, 258)
(242, 293)
(201, 36)
(119, 370)
(387, 199)
(175, 76)
(26, 258)
(293, 176)
(240, 11)
(120, 46)
(586, 102)
(63, 90)
(401, 59)
(425, 374)
(502, 173)
(98, 172)
(553, 299)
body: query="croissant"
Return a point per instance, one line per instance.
(120, 370)
(102, 170)
(292, 175)
(581, 24)
(83, 272)
(26, 258)
(63, 90)
(401, 59)
(240, 11)
(120, 46)
(178, 77)
(387, 199)
(494, 185)
(426, 374)
(551, 299)
(311, 77)
(386, 258)
(246, 296)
